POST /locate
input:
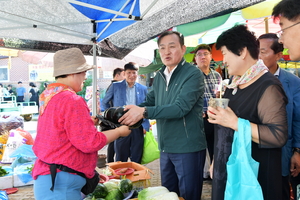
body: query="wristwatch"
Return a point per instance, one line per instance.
(295, 149)
(145, 114)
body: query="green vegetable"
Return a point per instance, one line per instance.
(3, 172)
(29, 169)
(95, 198)
(100, 191)
(110, 186)
(151, 192)
(125, 185)
(166, 196)
(115, 194)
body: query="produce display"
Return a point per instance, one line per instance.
(3, 172)
(125, 186)
(115, 194)
(119, 189)
(132, 186)
(111, 185)
(124, 171)
(114, 189)
(157, 193)
(100, 191)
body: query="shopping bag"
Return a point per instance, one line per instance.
(150, 151)
(206, 173)
(242, 169)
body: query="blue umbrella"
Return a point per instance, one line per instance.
(109, 16)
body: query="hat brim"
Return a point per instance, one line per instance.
(79, 69)
(85, 67)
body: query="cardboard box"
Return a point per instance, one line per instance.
(6, 182)
(140, 177)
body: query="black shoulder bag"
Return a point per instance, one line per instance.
(91, 183)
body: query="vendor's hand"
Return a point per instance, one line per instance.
(295, 164)
(224, 117)
(95, 120)
(134, 114)
(123, 131)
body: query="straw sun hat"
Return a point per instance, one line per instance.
(69, 61)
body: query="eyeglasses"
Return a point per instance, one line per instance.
(279, 33)
(202, 54)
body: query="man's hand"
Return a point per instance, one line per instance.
(295, 164)
(132, 116)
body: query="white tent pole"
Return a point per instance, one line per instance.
(94, 96)
(106, 27)
(100, 8)
(132, 7)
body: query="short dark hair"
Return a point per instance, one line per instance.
(19, 82)
(61, 76)
(276, 46)
(289, 9)
(32, 84)
(131, 66)
(180, 36)
(237, 38)
(9, 85)
(1, 84)
(202, 46)
(117, 71)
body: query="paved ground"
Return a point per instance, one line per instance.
(26, 192)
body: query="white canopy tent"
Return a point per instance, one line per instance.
(113, 28)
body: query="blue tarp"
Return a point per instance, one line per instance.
(107, 10)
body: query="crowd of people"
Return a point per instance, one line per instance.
(20, 93)
(259, 92)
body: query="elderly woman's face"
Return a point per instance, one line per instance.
(232, 61)
(78, 81)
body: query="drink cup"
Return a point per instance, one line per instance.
(221, 102)
(218, 102)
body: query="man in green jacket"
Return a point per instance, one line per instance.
(176, 102)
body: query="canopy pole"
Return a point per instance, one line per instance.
(94, 82)
(94, 96)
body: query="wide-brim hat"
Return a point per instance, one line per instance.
(69, 61)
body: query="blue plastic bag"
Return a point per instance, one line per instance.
(23, 154)
(242, 169)
(22, 171)
(3, 195)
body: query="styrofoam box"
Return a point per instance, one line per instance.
(17, 182)
(6, 182)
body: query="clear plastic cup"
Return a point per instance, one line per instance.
(218, 102)
(222, 102)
